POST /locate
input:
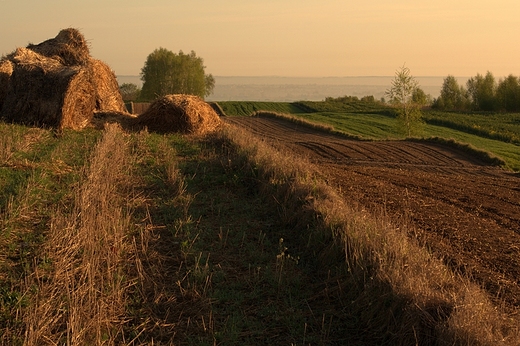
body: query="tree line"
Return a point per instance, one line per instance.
(481, 93)
(165, 72)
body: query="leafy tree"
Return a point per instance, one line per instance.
(482, 91)
(453, 95)
(401, 94)
(129, 91)
(165, 72)
(508, 94)
(420, 98)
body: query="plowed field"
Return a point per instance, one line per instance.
(464, 211)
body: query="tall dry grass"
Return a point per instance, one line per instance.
(397, 292)
(80, 296)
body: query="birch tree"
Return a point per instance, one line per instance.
(400, 94)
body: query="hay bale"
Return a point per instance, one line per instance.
(179, 113)
(68, 47)
(42, 91)
(57, 83)
(108, 97)
(6, 70)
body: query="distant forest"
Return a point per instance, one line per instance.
(481, 93)
(478, 93)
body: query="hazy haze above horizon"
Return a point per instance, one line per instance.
(296, 38)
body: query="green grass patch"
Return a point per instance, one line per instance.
(241, 274)
(349, 106)
(367, 126)
(504, 127)
(241, 108)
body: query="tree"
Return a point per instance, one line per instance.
(129, 91)
(165, 72)
(453, 96)
(420, 98)
(368, 98)
(401, 95)
(508, 94)
(482, 91)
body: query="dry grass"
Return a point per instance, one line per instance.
(398, 291)
(83, 284)
(11, 142)
(80, 296)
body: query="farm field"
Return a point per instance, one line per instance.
(247, 108)
(222, 239)
(494, 133)
(464, 211)
(247, 223)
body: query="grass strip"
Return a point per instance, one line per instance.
(80, 290)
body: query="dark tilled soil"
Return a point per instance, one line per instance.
(464, 211)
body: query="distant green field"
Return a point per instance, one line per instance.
(501, 126)
(498, 134)
(240, 108)
(509, 152)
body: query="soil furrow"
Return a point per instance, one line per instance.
(464, 211)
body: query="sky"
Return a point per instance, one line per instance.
(293, 38)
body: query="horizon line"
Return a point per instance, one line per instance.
(278, 76)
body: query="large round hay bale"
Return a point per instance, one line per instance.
(108, 97)
(179, 113)
(6, 70)
(42, 91)
(69, 47)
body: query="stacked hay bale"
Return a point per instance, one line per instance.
(44, 92)
(69, 47)
(57, 83)
(179, 113)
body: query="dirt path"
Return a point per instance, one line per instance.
(466, 212)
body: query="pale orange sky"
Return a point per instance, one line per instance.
(284, 37)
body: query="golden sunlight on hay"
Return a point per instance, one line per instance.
(44, 92)
(179, 113)
(108, 97)
(69, 47)
(57, 83)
